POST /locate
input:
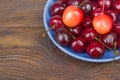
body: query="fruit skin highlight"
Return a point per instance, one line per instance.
(72, 16)
(102, 23)
(95, 49)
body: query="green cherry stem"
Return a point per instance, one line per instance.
(103, 43)
(71, 33)
(82, 3)
(45, 31)
(115, 50)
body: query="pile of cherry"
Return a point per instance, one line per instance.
(90, 26)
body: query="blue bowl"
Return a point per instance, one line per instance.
(67, 50)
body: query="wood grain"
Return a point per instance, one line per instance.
(25, 55)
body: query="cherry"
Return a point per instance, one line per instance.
(118, 42)
(113, 14)
(107, 3)
(89, 34)
(63, 1)
(63, 37)
(57, 8)
(91, 0)
(102, 23)
(78, 44)
(87, 22)
(56, 22)
(72, 16)
(116, 5)
(109, 39)
(96, 12)
(76, 31)
(88, 26)
(74, 2)
(87, 8)
(95, 49)
(94, 6)
(116, 27)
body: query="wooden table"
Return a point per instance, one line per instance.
(25, 55)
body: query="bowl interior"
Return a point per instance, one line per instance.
(67, 50)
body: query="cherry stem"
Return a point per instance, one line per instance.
(116, 52)
(82, 3)
(115, 49)
(71, 33)
(45, 31)
(103, 6)
(103, 43)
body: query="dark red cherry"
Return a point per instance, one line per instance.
(94, 6)
(78, 44)
(63, 1)
(95, 49)
(89, 34)
(87, 8)
(74, 2)
(87, 22)
(109, 39)
(116, 27)
(96, 12)
(76, 31)
(107, 3)
(56, 21)
(113, 14)
(118, 42)
(57, 8)
(92, 1)
(63, 37)
(116, 5)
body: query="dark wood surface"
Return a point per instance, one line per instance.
(25, 55)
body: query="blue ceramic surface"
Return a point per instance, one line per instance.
(81, 56)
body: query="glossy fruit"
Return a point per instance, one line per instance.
(78, 44)
(87, 22)
(102, 23)
(95, 49)
(116, 27)
(89, 34)
(63, 1)
(94, 6)
(107, 4)
(72, 16)
(96, 12)
(87, 8)
(116, 5)
(109, 39)
(86, 26)
(63, 37)
(57, 8)
(56, 21)
(118, 42)
(74, 2)
(113, 14)
(76, 31)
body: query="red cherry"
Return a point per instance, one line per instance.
(118, 42)
(89, 34)
(95, 49)
(116, 27)
(78, 44)
(72, 16)
(56, 21)
(102, 23)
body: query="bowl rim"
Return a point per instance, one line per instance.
(65, 51)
